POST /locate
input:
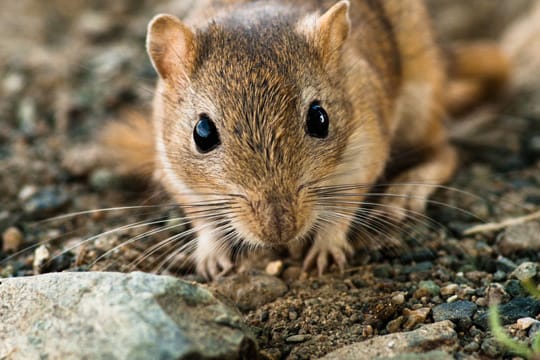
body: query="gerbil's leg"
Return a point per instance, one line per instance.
(409, 191)
(330, 241)
(212, 259)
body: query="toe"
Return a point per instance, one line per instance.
(226, 266)
(310, 259)
(322, 262)
(340, 258)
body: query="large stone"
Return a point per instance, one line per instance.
(117, 316)
(510, 312)
(439, 336)
(454, 311)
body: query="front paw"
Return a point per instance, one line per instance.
(336, 248)
(213, 265)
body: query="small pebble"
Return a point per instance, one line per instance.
(398, 299)
(481, 301)
(274, 268)
(13, 83)
(499, 275)
(12, 240)
(505, 264)
(514, 289)
(395, 325)
(415, 317)
(525, 323)
(367, 331)
(471, 347)
(525, 271)
(293, 315)
(427, 288)
(496, 294)
(534, 329)
(297, 338)
(292, 273)
(491, 347)
(94, 25)
(27, 115)
(41, 257)
(27, 192)
(452, 298)
(46, 202)
(104, 179)
(450, 289)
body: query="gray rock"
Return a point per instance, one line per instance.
(429, 287)
(514, 289)
(510, 312)
(525, 271)
(117, 316)
(519, 238)
(454, 311)
(439, 336)
(505, 264)
(249, 292)
(492, 348)
(104, 179)
(534, 329)
(46, 203)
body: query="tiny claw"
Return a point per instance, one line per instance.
(319, 254)
(214, 267)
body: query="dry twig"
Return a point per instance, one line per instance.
(496, 226)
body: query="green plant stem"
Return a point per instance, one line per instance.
(500, 335)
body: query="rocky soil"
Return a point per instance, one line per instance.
(69, 67)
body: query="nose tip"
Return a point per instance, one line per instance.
(282, 224)
(276, 218)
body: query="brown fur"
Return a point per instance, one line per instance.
(478, 72)
(254, 68)
(130, 144)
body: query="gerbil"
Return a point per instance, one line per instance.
(272, 119)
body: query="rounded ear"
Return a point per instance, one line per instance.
(334, 25)
(171, 46)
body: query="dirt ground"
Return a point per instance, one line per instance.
(66, 68)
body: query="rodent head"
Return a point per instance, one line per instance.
(253, 108)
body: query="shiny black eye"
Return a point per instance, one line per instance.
(206, 135)
(317, 121)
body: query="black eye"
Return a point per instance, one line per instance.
(206, 135)
(317, 121)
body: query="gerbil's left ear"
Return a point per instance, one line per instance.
(333, 27)
(171, 47)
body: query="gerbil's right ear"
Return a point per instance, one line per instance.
(329, 30)
(171, 47)
(334, 25)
